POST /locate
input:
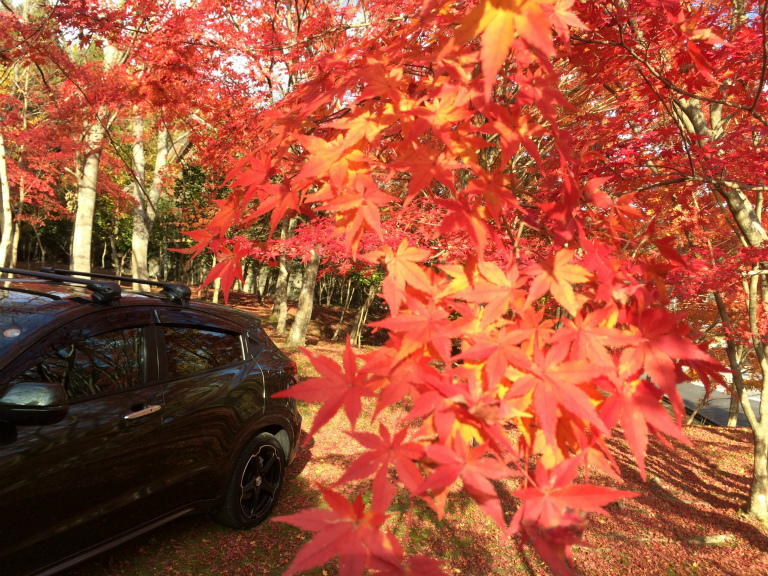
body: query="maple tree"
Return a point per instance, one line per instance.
(559, 179)
(546, 183)
(33, 146)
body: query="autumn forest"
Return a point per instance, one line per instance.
(555, 207)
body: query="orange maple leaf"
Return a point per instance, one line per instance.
(556, 275)
(422, 326)
(499, 22)
(336, 386)
(497, 288)
(326, 158)
(403, 267)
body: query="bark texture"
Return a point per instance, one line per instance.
(6, 223)
(298, 334)
(362, 316)
(280, 306)
(88, 176)
(750, 231)
(251, 276)
(145, 210)
(347, 300)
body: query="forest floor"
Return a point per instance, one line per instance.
(687, 520)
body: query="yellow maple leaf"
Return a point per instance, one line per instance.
(500, 22)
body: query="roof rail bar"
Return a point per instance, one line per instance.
(102, 291)
(179, 293)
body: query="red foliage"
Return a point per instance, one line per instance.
(479, 125)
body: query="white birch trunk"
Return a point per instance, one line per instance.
(144, 213)
(5, 201)
(87, 181)
(140, 233)
(298, 334)
(86, 198)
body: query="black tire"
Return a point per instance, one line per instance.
(255, 483)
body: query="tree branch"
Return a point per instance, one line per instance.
(764, 43)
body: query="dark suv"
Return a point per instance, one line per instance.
(120, 411)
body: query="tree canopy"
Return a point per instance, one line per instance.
(566, 199)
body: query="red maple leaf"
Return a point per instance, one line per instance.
(556, 275)
(346, 530)
(499, 290)
(202, 237)
(657, 352)
(592, 334)
(403, 267)
(553, 512)
(278, 199)
(324, 158)
(425, 165)
(637, 404)
(555, 386)
(422, 326)
(336, 387)
(499, 350)
(475, 471)
(555, 495)
(499, 21)
(383, 450)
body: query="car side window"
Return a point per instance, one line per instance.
(191, 350)
(104, 363)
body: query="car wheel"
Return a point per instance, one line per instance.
(255, 483)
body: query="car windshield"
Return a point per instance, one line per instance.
(24, 307)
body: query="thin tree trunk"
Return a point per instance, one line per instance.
(281, 297)
(361, 316)
(343, 310)
(216, 290)
(40, 245)
(11, 252)
(298, 334)
(144, 212)
(165, 260)
(703, 402)
(262, 281)
(733, 410)
(269, 282)
(250, 277)
(216, 284)
(758, 497)
(329, 294)
(118, 258)
(140, 232)
(280, 305)
(15, 243)
(281, 289)
(114, 255)
(71, 243)
(87, 177)
(121, 268)
(6, 223)
(350, 292)
(87, 182)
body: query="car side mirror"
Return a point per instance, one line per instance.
(34, 404)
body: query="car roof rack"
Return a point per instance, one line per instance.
(178, 293)
(102, 291)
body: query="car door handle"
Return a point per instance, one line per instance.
(145, 411)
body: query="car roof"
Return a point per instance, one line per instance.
(26, 305)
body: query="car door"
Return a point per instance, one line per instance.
(210, 391)
(67, 486)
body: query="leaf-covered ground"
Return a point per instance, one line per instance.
(687, 520)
